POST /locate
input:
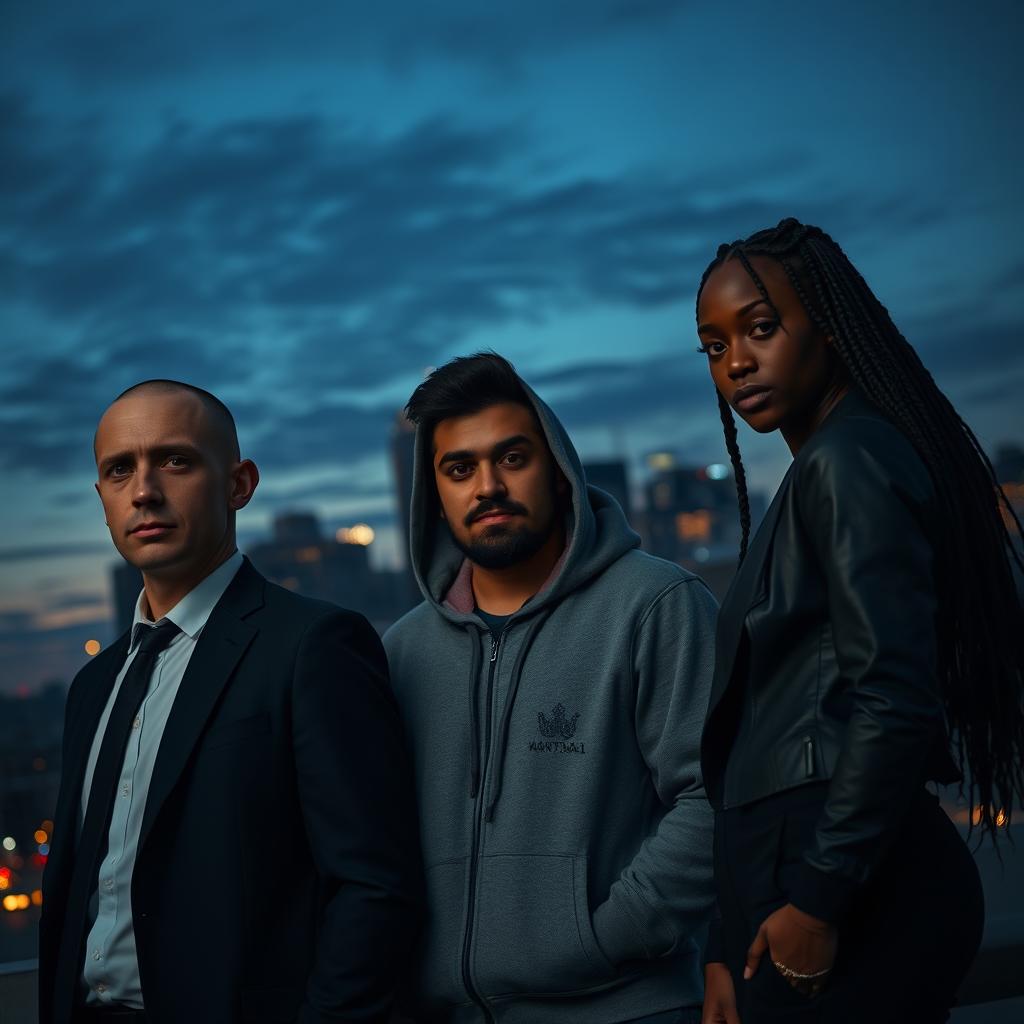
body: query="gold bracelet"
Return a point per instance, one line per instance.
(788, 972)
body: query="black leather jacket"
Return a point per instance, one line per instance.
(825, 658)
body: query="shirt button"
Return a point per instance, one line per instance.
(108, 885)
(97, 955)
(125, 789)
(136, 723)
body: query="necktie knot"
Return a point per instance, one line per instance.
(154, 639)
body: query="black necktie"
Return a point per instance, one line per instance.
(92, 843)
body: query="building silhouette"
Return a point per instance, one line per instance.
(1009, 469)
(299, 557)
(690, 511)
(611, 477)
(402, 446)
(690, 517)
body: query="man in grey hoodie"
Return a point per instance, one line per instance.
(553, 684)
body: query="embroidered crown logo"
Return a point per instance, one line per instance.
(557, 726)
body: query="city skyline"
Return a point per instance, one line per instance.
(303, 211)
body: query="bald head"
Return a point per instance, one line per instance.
(171, 480)
(218, 421)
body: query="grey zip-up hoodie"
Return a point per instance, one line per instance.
(566, 834)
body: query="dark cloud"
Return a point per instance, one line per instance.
(952, 344)
(322, 433)
(41, 551)
(15, 623)
(292, 266)
(51, 404)
(71, 600)
(62, 500)
(118, 42)
(579, 375)
(607, 393)
(350, 487)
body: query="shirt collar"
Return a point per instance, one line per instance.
(192, 611)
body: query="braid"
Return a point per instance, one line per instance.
(740, 474)
(978, 620)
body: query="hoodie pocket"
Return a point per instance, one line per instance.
(533, 932)
(437, 972)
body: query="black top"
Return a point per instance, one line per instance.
(495, 623)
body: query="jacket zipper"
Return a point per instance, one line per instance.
(478, 814)
(808, 756)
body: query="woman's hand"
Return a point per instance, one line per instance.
(719, 996)
(797, 943)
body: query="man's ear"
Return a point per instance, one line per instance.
(244, 478)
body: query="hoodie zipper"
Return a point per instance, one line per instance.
(478, 815)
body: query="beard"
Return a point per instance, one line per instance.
(501, 547)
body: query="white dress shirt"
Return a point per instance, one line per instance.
(111, 970)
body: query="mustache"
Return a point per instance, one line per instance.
(485, 508)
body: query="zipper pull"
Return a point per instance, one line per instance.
(808, 756)
(495, 640)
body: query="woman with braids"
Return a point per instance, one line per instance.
(873, 629)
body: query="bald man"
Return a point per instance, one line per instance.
(235, 835)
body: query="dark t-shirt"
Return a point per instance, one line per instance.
(495, 623)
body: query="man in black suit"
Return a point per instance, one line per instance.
(235, 836)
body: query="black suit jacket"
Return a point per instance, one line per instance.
(277, 875)
(826, 651)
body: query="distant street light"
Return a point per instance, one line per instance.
(360, 534)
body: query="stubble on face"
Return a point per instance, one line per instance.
(501, 546)
(506, 509)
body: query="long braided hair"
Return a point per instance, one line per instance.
(979, 618)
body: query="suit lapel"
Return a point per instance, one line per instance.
(223, 641)
(748, 589)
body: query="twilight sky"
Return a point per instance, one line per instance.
(301, 207)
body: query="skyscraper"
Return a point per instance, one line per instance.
(611, 477)
(403, 442)
(691, 516)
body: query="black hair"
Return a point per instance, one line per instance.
(464, 386)
(219, 410)
(979, 616)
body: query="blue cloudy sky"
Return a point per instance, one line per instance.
(301, 207)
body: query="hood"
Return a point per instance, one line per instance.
(597, 531)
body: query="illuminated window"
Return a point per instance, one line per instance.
(694, 526)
